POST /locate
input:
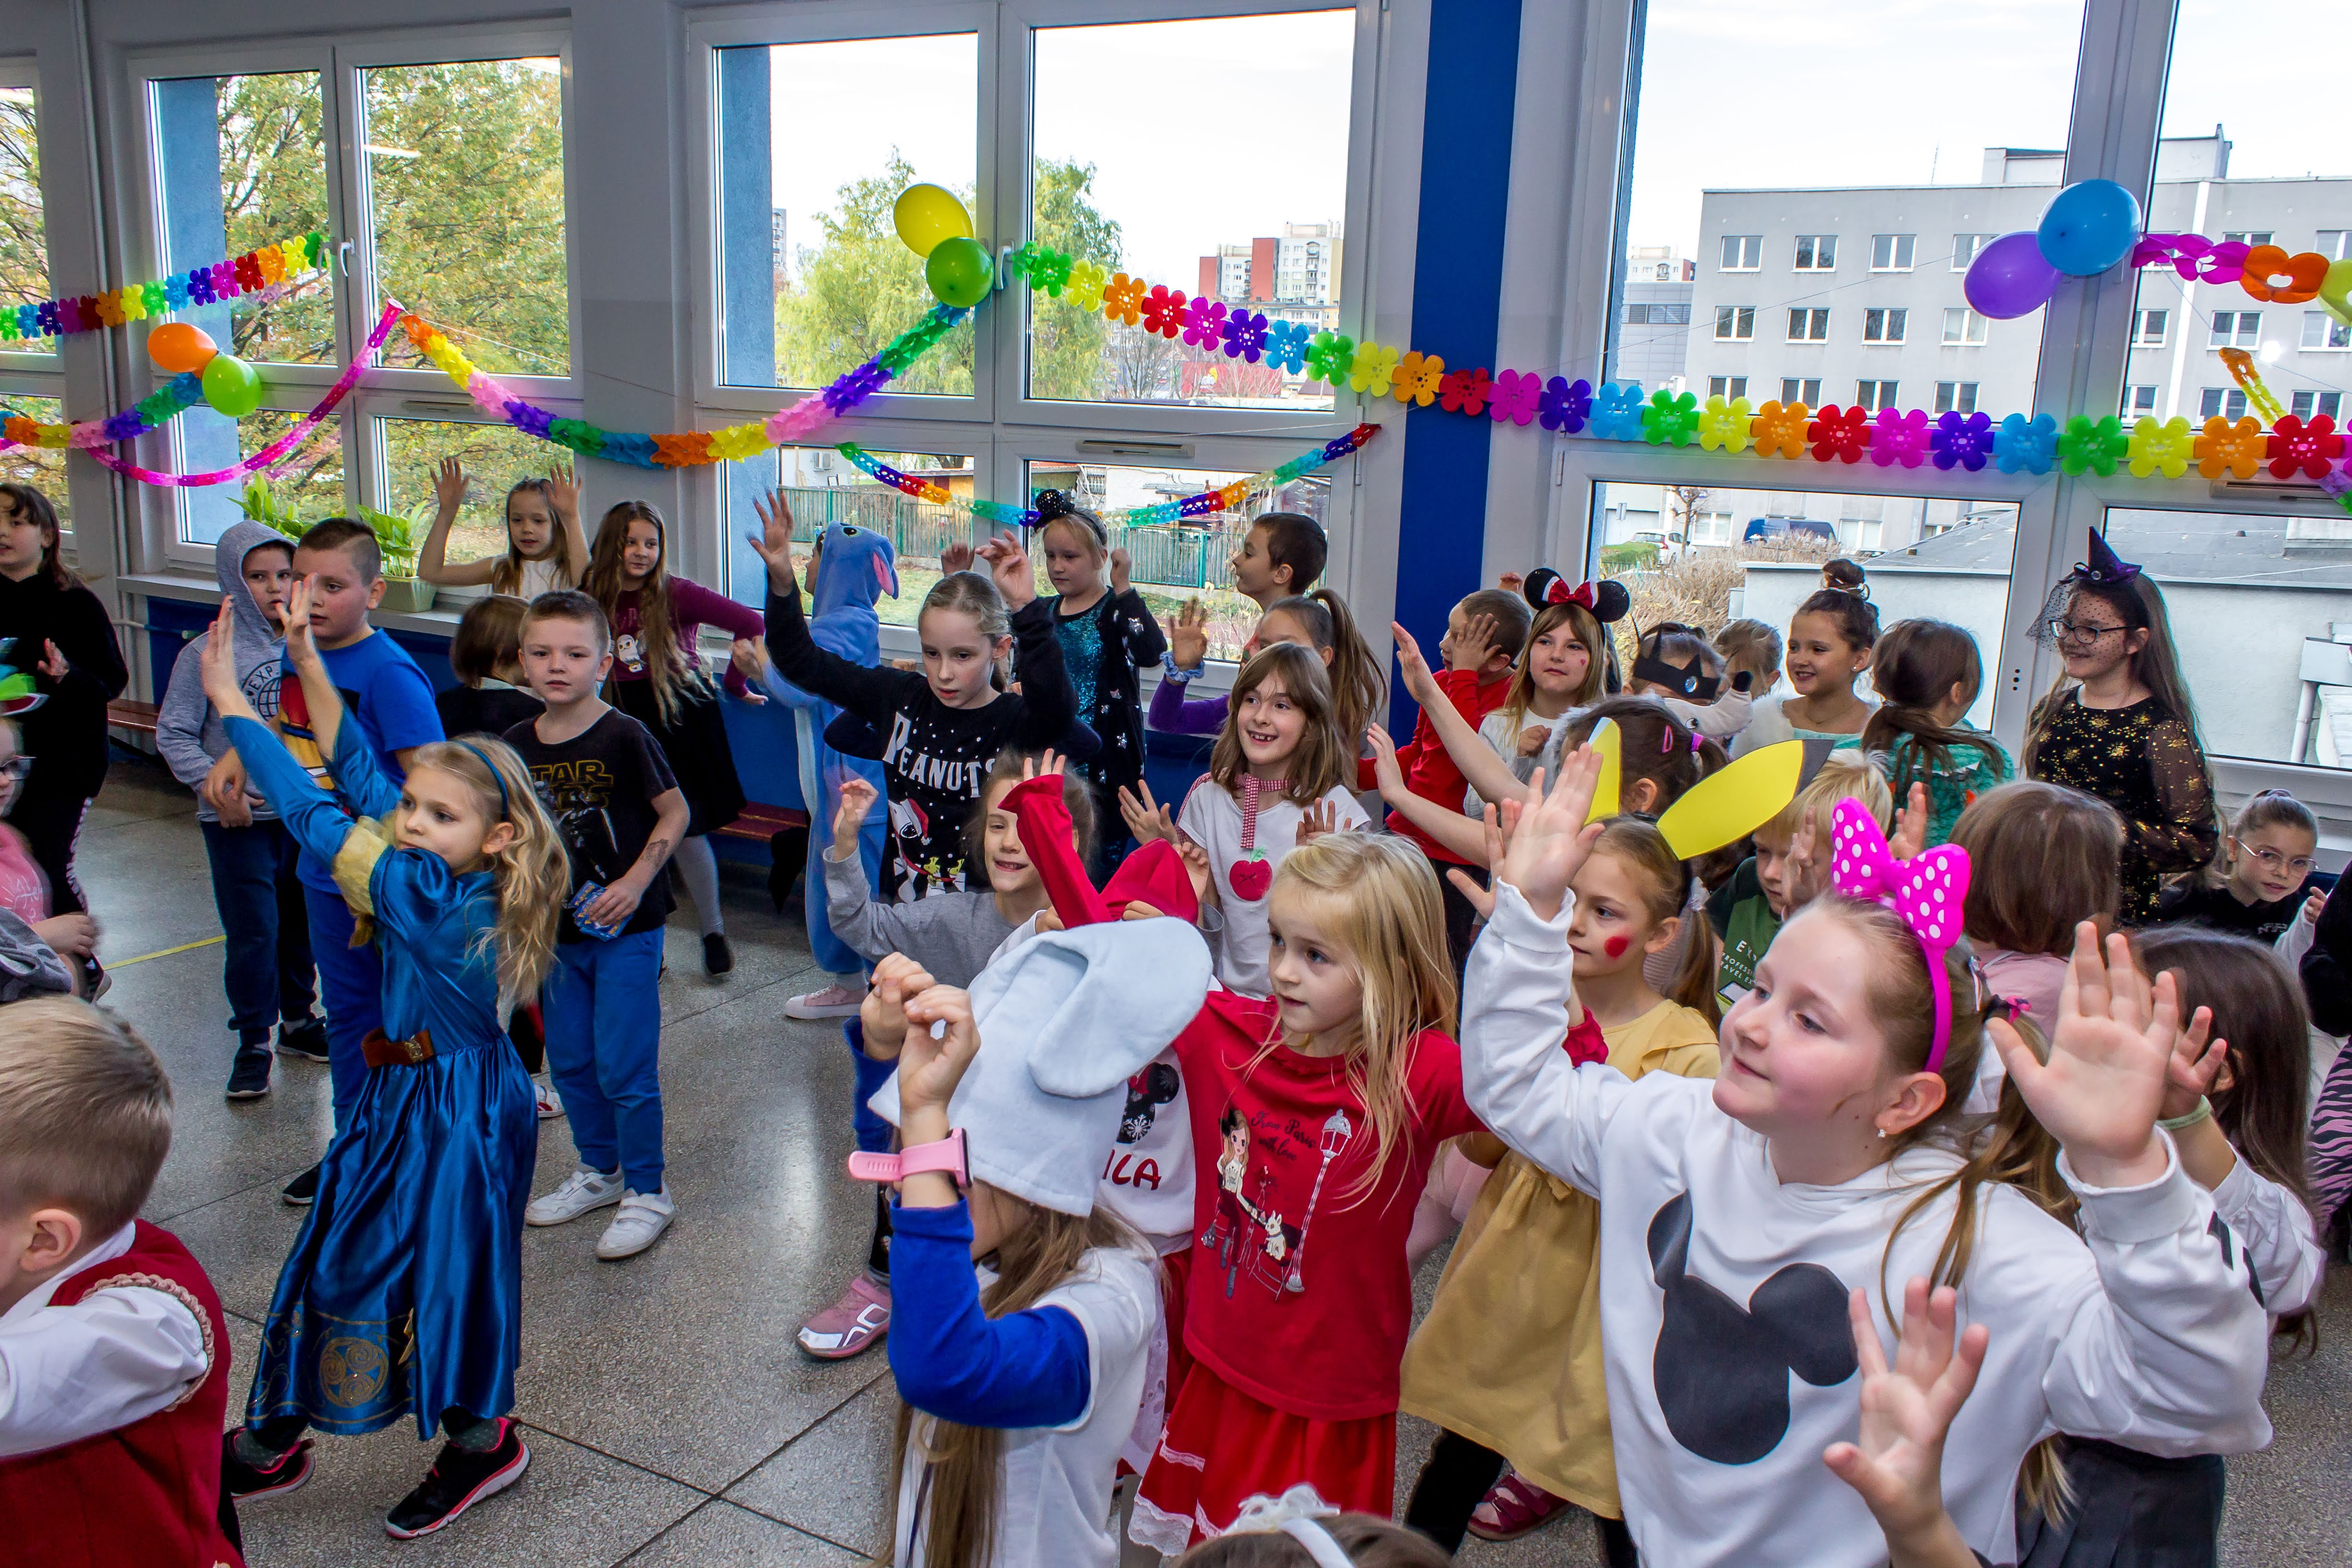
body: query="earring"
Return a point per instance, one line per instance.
(1882, 1133)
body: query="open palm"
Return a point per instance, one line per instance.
(1544, 848)
(2110, 1056)
(774, 541)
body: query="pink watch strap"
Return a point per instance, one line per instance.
(946, 1154)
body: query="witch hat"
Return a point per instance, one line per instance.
(2104, 565)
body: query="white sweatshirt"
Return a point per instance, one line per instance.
(2278, 1233)
(1723, 1324)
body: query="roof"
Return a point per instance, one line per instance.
(2170, 546)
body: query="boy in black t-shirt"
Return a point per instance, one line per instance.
(610, 790)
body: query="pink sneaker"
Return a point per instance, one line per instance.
(1513, 1507)
(852, 1325)
(838, 999)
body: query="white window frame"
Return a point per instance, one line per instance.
(2154, 400)
(1732, 387)
(43, 375)
(1962, 392)
(1732, 315)
(1815, 265)
(1809, 312)
(2329, 326)
(1975, 329)
(1800, 383)
(1748, 243)
(1903, 250)
(2144, 339)
(1893, 324)
(1965, 248)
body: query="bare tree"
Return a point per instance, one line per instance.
(1685, 501)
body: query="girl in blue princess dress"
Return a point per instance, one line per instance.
(403, 1292)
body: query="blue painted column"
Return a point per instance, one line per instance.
(747, 292)
(1466, 180)
(196, 233)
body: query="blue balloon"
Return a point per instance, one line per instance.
(2091, 226)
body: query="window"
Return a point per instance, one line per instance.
(2322, 331)
(1658, 315)
(2331, 243)
(1956, 398)
(822, 490)
(24, 243)
(2247, 235)
(1884, 326)
(1734, 324)
(2227, 402)
(1712, 528)
(42, 467)
(1806, 390)
(2147, 327)
(1892, 252)
(1809, 326)
(2309, 403)
(2138, 401)
(1963, 328)
(2238, 329)
(1817, 253)
(1742, 253)
(408, 450)
(1875, 394)
(1729, 387)
(1965, 248)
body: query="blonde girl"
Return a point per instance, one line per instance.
(546, 549)
(412, 1255)
(1514, 1376)
(1276, 778)
(1560, 672)
(1830, 642)
(1314, 1117)
(1825, 1164)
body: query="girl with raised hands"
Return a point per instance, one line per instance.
(547, 549)
(1737, 1216)
(1317, 620)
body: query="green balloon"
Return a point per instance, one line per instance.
(231, 386)
(961, 271)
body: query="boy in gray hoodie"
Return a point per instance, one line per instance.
(267, 970)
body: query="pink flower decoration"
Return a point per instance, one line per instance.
(1518, 394)
(1902, 437)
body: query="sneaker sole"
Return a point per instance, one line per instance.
(292, 1055)
(246, 1093)
(290, 1201)
(279, 1489)
(841, 1352)
(809, 1014)
(529, 1218)
(492, 1484)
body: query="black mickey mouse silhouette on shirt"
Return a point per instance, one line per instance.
(1721, 1368)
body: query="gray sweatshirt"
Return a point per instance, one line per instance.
(188, 732)
(950, 935)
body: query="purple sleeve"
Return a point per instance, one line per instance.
(692, 605)
(1175, 713)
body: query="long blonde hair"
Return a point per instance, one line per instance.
(533, 873)
(674, 673)
(1379, 899)
(1584, 628)
(967, 1480)
(1321, 761)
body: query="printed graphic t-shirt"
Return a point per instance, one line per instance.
(385, 694)
(599, 787)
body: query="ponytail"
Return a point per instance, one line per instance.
(1694, 983)
(1915, 667)
(1360, 686)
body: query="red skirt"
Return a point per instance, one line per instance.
(1175, 1287)
(1223, 1448)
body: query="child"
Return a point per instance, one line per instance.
(1106, 635)
(24, 888)
(1897, 1465)
(658, 680)
(1299, 1530)
(267, 969)
(1675, 665)
(403, 1295)
(1561, 675)
(1275, 779)
(2118, 724)
(1281, 556)
(620, 811)
(1928, 675)
(1830, 641)
(486, 656)
(114, 1351)
(1015, 1403)
(943, 730)
(1317, 620)
(1747, 909)
(341, 579)
(2266, 888)
(546, 549)
(1515, 1376)
(1752, 648)
(1736, 1217)
(64, 638)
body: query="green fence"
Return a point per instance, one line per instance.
(1172, 556)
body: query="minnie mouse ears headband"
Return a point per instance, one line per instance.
(1926, 892)
(1605, 598)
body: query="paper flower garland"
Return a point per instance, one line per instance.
(255, 272)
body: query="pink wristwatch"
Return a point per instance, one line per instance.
(946, 1154)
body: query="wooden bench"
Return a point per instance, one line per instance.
(136, 716)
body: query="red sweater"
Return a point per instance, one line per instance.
(1429, 772)
(1299, 1295)
(145, 1494)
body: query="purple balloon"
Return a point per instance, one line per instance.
(2010, 277)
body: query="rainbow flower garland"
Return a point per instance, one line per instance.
(151, 413)
(255, 272)
(691, 449)
(1225, 498)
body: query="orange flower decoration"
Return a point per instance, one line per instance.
(1123, 298)
(687, 449)
(1418, 378)
(1780, 429)
(2240, 448)
(2267, 264)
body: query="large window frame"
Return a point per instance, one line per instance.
(36, 375)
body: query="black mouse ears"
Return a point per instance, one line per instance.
(1605, 598)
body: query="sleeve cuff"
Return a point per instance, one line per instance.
(953, 1224)
(1522, 927)
(2145, 1213)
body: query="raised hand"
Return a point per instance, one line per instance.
(300, 651)
(223, 689)
(1121, 564)
(955, 558)
(1050, 764)
(1477, 644)
(774, 543)
(883, 1015)
(563, 489)
(2195, 1064)
(1544, 848)
(1196, 866)
(449, 482)
(53, 663)
(1480, 894)
(1387, 772)
(1417, 678)
(941, 1039)
(1910, 839)
(1188, 637)
(1804, 865)
(1511, 582)
(1321, 817)
(1533, 738)
(2312, 905)
(1008, 565)
(1145, 817)
(857, 798)
(1906, 1411)
(2110, 1059)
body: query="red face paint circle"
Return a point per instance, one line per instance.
(1615, 946)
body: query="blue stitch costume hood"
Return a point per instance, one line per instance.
(854, 567)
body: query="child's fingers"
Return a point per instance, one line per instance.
(1480, 898)
(1868, 1352)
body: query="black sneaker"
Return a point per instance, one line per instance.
(248, 1078)
(717, 958)
(307, 1039)
(250, 1483)
(459, 1480)
(303, 1190)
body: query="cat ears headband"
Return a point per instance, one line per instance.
(1605, 598)
(1688, 681)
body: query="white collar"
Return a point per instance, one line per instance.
(106, 1251)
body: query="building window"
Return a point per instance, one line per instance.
(1892, 252)
(1963, 328)
(1817, 253)
(1875, 395)
(2247, 235)
(2218, 402)
(1965, 248)
(1806, 390)
(1881, 326)
(2236, 329)
(1734, 324)
(1710, 528)
(1658, 315)
(2331, 243)
(1742, 252)
(2327, 405)
(2147, 327)
(2322, 331)
(2139, 401)
(1809, 326)
(1730, 387)
(1956, 398)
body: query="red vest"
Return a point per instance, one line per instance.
(148, 1493)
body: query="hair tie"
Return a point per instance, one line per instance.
(1298, 1513)
(494, 779)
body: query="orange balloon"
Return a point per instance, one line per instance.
(177, 346)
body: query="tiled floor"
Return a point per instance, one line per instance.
(671, 1421)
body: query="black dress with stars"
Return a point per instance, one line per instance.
(2144, 762)
(936, 758)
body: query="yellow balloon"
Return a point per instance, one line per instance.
(927, 215)
(1607, 743)
(1733, 803)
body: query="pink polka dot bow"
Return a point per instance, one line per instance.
(1927, 892)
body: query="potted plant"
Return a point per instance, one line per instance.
(264, 506)
(397, 537)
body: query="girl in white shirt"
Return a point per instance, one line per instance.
(1736, 1217)
(1830, 642)
(547, 549)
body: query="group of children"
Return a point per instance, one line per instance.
(1734, 1068)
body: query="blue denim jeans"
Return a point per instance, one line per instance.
(267, 967)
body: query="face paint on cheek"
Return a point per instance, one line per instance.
(1616, 945)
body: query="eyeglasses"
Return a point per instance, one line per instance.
(2272, 860)
(2075, 631)
(16, 768)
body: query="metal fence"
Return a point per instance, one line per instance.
(1170, 556)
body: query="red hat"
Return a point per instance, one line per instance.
(1154, 874)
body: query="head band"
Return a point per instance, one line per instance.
(494, 779)
(1317, 1540)
(1053, 504)
(1297, 1513)
(1927, 893)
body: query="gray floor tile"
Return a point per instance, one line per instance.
(834, 1481)
(719, 1535)
(2291, 1504)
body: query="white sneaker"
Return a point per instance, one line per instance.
(643, 1217)
(838, 999)
(582, 1190)
(550, 1104)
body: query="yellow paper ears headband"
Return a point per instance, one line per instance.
(1720, 809)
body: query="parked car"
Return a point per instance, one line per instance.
(1789, 527)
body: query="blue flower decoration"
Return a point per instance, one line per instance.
(2030, 445)
(1566, 406)
(1286, 343)
(175, 290)
(123, 426)
(1962, 440)
(1617, 411)
(636, 450)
